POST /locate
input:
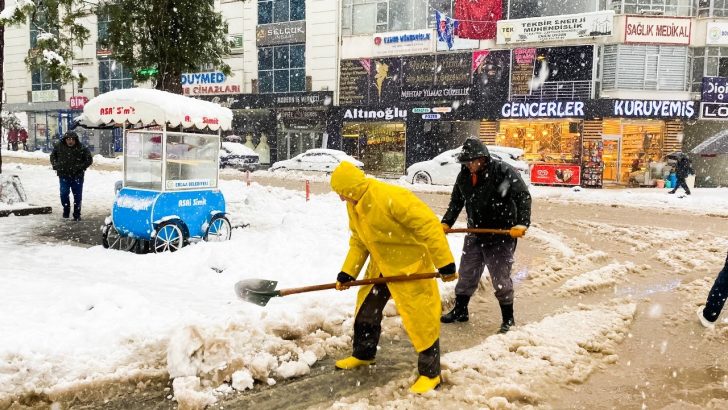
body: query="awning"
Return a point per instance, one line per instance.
(148, 106)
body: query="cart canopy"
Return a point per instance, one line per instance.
(149, 106)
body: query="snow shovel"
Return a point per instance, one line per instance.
(259, 291)
(484, 230)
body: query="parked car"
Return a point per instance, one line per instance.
(238, 156)
(318, 159)
(444, 168)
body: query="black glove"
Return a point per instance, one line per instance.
(447, 269)
(341, 279)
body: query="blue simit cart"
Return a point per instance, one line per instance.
(169, 196)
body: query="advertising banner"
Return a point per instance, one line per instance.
(490, 74)
(556, 28)
(715, 89)
(713, 111)
(717, 33)
(523, 61)
(556, 174)
(448, 76)
(354, 82)
(403, 42)
(657, 30)
(281, 33)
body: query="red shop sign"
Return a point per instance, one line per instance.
(77, 102)
(556, 174)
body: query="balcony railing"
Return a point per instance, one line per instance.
(559, 90)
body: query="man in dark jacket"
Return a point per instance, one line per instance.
(684, 168)
(495, 197)
(70, 160)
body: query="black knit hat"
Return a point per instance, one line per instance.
(473, 148)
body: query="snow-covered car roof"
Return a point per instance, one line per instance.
(238, 149)
(148, 106)
(341, 155)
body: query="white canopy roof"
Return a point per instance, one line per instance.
(149, 106)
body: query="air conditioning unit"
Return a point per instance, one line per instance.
(649, 12)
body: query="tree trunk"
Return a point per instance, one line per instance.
(2, 78)
(169, 81)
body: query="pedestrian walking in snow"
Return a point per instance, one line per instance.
(23, 138)
(683, 169)
(70, 160)
(13, 139)
(716, 298)
(399, 235)
(494, 196)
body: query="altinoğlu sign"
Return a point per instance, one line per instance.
(388, 113)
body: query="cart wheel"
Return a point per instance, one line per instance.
(168, 237)
(112, 239)
(219, 229)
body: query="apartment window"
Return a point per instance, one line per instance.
(653, 7)
(712, 8)
(282, 69)
(708, 62)
(362, 17)
(102, 25)
(41, 23)
(279, 11)
(646, 67)
(113, 76)
(42, 81)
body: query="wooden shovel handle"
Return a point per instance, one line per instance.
(373, 281)
(479, 230)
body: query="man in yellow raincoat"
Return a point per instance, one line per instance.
(399, 235)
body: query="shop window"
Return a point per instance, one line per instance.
(653, 7)
(280, 11)
(632, 147)
(113, 76)
(380, 146)
(282, 69)
(556, 141)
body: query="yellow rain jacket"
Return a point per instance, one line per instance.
(402, 236)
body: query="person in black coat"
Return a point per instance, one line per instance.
(494, 196)
(70, 160)
(683, 169)
(716, 298)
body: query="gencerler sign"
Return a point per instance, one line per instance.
(281, 33)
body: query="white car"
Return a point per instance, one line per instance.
(444, 168)
(318, 159)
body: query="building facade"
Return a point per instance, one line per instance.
(596, 86)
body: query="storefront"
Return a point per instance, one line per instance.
(279, 126)
(375, 136)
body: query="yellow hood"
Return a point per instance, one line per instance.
(349, 181)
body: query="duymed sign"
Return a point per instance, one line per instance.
(555, 28)
(209, 83)
(543, 109)
(715, 89)
(657, 30)
(716, 33)
(713, 111)
(403, 42)
(281, 33)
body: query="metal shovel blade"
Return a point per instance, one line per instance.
(258, 291)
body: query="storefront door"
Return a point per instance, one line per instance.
(611, 157)
(294, 142)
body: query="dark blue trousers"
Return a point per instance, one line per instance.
(68, 185)
(717, 295)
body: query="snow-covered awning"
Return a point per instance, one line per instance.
(149, 106)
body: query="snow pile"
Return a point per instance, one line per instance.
(515, 368)
(600, 278)
(16, 5)
(11, 191)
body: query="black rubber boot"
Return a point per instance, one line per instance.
(459, 312)
(508, 321)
